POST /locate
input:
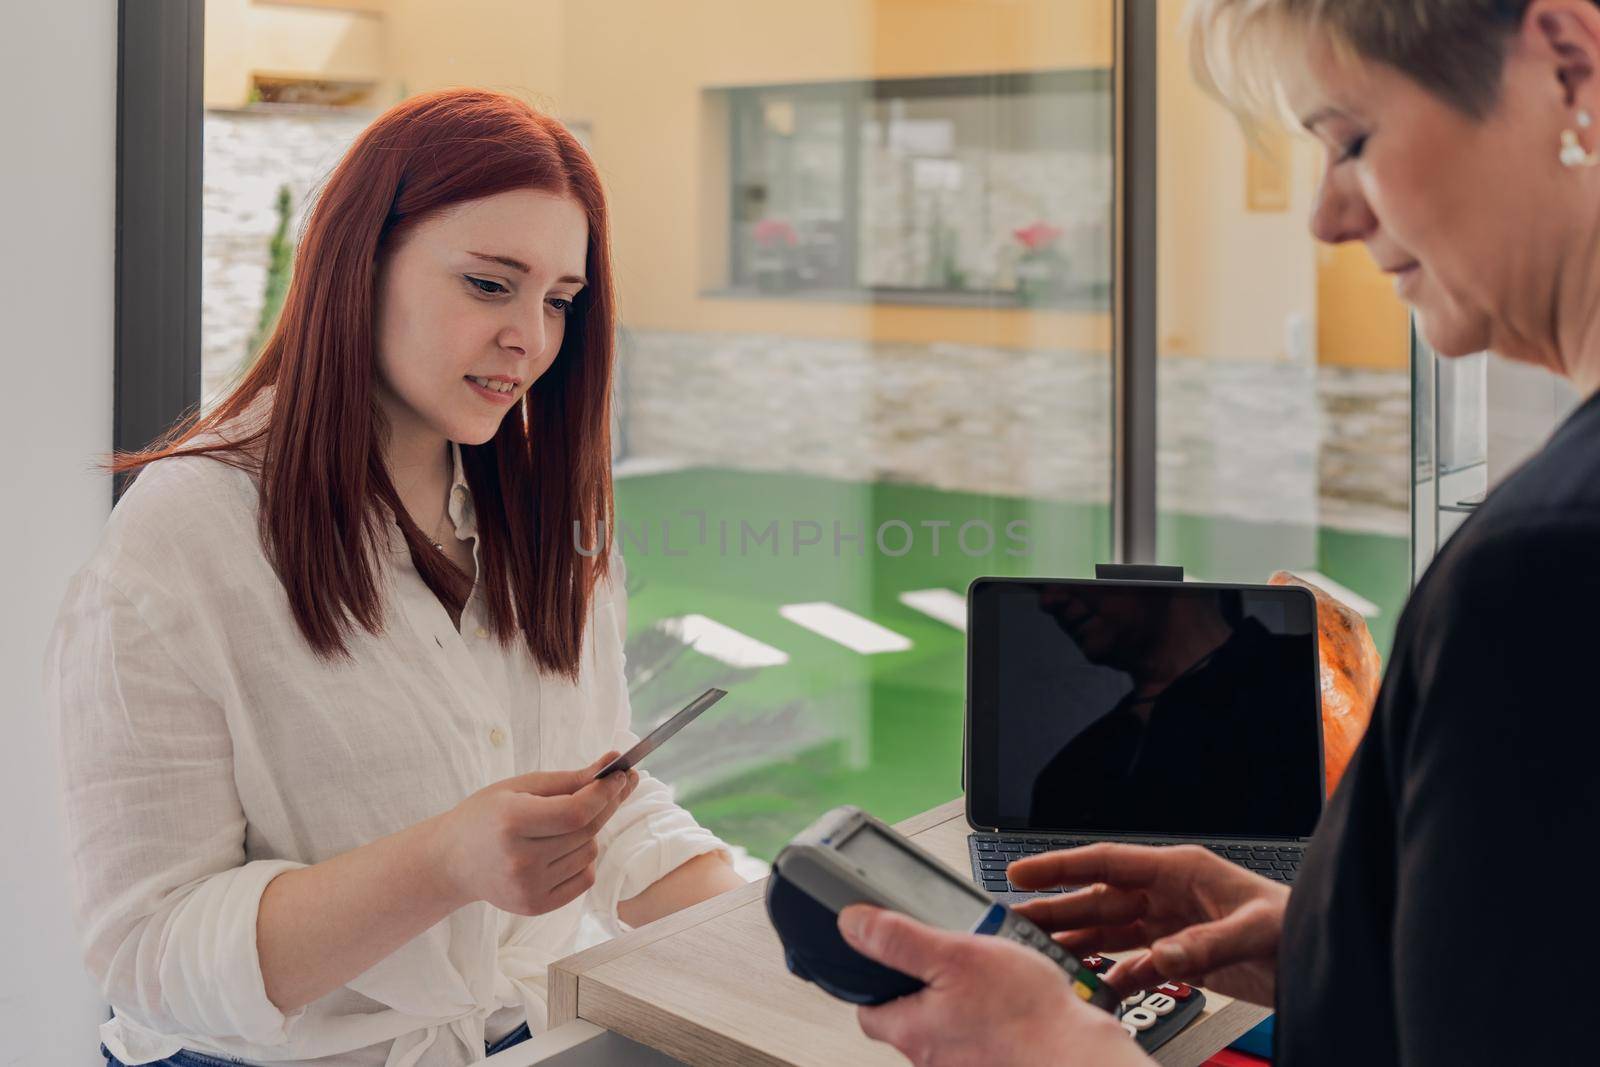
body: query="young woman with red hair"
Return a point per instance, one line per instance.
(333, 688)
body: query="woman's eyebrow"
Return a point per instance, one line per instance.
(518, 265)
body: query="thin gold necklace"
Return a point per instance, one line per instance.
(437, 540)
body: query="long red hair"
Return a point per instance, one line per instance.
(544, 480)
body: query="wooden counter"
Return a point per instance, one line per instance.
(709, 986)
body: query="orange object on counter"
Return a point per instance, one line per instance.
(1351, 673)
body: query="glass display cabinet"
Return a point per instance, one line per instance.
(1449, 446)
(1474, 420)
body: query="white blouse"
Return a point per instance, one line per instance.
(205, 749)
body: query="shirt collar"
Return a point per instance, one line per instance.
(462, 512)
(463, 516)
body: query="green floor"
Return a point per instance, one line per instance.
(883, 732)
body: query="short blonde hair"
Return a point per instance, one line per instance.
(1453, 48)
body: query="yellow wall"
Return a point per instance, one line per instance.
(245, 38)
(1228, 279)
(633, 73)
(1361, 322)
(515, 46)
(637, 71)
(911, 38)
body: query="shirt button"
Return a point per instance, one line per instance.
(482, 631)
(497, 737)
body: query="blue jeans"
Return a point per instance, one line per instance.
(185, 1058)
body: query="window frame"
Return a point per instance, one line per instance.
(160, 75)
(1134, 319)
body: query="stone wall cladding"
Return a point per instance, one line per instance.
(248, 156)
(1271, 442)
(947, 416)
(1366, 452)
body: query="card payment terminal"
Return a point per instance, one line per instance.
(848, 857)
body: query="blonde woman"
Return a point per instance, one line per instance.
(1441, 918)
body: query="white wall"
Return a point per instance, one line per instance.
(58, 66)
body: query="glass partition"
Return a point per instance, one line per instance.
(1284, 382)
(863, 253)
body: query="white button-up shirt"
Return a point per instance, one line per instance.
(205, 749)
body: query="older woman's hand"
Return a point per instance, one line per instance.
(988, 1002)
(1202, 919)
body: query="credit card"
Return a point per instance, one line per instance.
(657, 737)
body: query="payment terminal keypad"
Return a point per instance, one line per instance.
(1085, 983)
(1153, 1017)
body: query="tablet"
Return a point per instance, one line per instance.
(1143, 707)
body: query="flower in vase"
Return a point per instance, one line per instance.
(769, 233)
(1041, 268)
(1038, 236)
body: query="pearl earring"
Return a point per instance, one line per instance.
(1572, 153)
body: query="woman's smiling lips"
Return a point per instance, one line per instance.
(501, 396)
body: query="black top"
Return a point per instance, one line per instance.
(1211, 733)
(1442, 915)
